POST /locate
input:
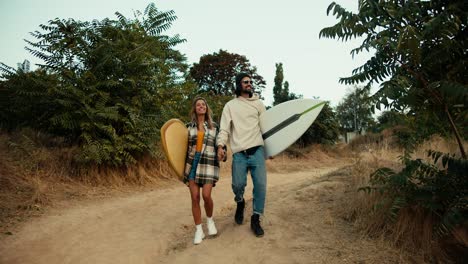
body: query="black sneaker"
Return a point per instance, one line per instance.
(239, 217)
(255, 225)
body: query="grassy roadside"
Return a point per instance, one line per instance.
(37, 173)
(35, 176)
(413, 229)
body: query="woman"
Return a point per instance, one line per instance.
(201, 166)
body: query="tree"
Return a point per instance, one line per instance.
(419, 55)
(278, 88)
(420, 59)
(216, 73)
(324, 130)
(114, 80)
(354, 111)
(390, 118)
(281, 90)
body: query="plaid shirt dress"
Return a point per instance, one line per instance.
(208, 166)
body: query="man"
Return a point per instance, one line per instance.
(240, 123)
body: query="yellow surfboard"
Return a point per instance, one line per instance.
(174, 137)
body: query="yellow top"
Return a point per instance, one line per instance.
(200, 136)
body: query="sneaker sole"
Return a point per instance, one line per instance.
(200, 241)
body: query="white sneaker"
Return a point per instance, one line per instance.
(211, 227)
(199, 235)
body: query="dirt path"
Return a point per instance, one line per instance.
(157, 227)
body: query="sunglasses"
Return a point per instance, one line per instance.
(247, 82)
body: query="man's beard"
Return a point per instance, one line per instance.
(249, 92)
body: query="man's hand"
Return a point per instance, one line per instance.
(221, 153)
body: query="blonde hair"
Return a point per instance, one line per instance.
(193, 112)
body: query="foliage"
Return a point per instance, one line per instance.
(216, 104)
(278, 88)
(419, 59)
(390, 118)
(441, 188)
(414, 130)
(419, 55)
(409, 129)
(324, 130)
(25, 101)
(105, 85)
(354, 111)
(215, 73)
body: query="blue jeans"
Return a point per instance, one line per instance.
(241, 164)
(193, 170)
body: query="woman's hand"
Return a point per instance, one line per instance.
(221, 153)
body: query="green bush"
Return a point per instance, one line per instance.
(106, 86)
(440, 187)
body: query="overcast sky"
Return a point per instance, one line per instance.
(265, 31)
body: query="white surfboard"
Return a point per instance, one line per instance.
(283, 124)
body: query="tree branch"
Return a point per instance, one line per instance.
(441, 102)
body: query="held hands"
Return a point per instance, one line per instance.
(221, 153)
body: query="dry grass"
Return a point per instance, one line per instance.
(37, 171)
(413, 229)
(439, 144)
(296, 159)
(149, 171)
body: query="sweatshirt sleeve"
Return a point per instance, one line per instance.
(262, 107)
(224, 128)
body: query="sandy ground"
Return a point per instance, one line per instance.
(157, 227)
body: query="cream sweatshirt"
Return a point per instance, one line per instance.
(240, 123)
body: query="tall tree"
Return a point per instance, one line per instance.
(419, 55)
(278, 88)
(216, 73)
(281, 89)
(354, 111)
